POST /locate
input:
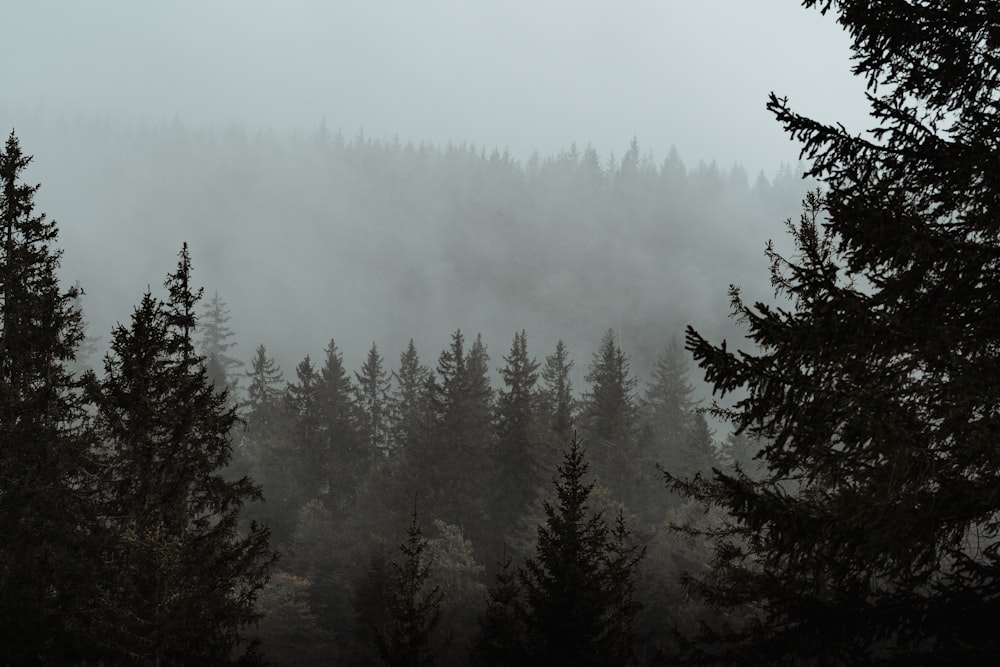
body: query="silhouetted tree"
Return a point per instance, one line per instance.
(409, 400)
(46, 500)
(872, 536)
(517, 461)
(179, 554)
(609, 417)
(414, 607)
(372, 397)
(577, 587)
(503, 636)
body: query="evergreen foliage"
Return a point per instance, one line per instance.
(184, 580)
(517, 462)
(372, 398)
(414, 607)
(503, 635)
(872, 536)
(577, 588)
(409, 400)
(215, 345)
(46, 504)
(609, 417)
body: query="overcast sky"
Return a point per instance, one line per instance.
(523, 75)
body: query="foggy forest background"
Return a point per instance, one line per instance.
(332, 260)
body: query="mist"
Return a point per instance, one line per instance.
(376, 173)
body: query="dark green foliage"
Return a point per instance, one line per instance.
(372, 398)
(518, 463)
(414, 608)
(557, 395)
(503, 635)
(409, 400)
(666, 423)
(308, 446)
(449, 461)
(182, 581)
(45, 491)
(344, 456)
(372, 601)
(578, 601)
(264, 451)
(609, 418)
(872, 535)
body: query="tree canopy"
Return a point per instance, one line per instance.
(872, 535)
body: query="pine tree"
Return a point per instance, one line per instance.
(308, 449)
(372, 397)
(503, 635)
(449, 458)
(409, 400)
(215, 344)
(46, 503)
(179, 554)
(414, 607)
(345, 459)
(577, 588)
(265, 448)
(872, 536)
(556, 397)
(518, 464)
(667, 408)
(609, 417)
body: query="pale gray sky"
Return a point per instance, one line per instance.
(519, 74)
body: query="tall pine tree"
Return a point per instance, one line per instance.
(183, 580)
(873, 534)
(45, 500)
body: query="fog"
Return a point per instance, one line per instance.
(153, 125)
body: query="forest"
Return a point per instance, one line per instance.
(449, 498)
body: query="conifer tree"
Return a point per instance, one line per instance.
(216, 343)
(577, 588)
(414, 607)
(557, 396)
(503, 636)
(266, 449)
(302, 403)
(409, 399)
(872, 536)
(179, 554)
(372, 397)
(345, 460)
(46, 500)
(517, 462)
(609, 417)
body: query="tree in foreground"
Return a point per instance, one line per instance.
(182, 582)
(44, 498)
(873, 533)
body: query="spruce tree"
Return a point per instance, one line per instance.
(414, 607)
(216, 343)
(517, 462)
(873, 536)
(266, 449)
(409, 399)
(47, 513)
(182, 580)
(503, 635)
(556, 400)
(609, 418)
(345, 460)
(372, 398)
(578, 586)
